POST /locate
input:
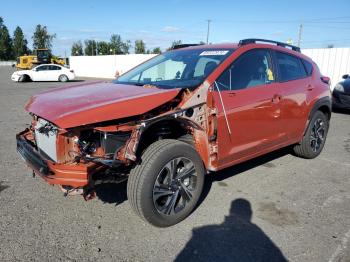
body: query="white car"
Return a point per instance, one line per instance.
(45, 72)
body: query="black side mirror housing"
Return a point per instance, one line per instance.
(345, 76)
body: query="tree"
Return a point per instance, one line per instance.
(156, 50)
(5, 42)
(174, 43)
(103, 48)
(116, 44)
(126, 47)
(140, 47)
(42, 38)
(19, 43)
(90, 47)
(77, 49)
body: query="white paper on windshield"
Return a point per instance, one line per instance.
(214, 52)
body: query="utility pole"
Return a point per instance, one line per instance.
(299, 34)
(208, 30)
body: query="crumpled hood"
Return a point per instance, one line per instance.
(95, 102)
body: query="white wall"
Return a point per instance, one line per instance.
(7, 63)
(105, 66)
(333, 62)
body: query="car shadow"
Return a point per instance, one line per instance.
(116, 193)
(341, 111)
(112, 193)
(77, 80)
(236, 239)
(70, 81)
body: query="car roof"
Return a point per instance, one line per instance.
(212, 46)
(253, 45)
(49, 65)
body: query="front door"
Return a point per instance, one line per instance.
(247, 99)
(40, 73)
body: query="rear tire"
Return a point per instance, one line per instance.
(165, 187)
(315, 137)
(63, 78)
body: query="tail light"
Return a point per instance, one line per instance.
(326, 80)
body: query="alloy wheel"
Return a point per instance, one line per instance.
(317, 135)
(174, 186)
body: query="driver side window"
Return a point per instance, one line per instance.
(251, 69)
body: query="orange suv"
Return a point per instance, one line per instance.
(166, 123)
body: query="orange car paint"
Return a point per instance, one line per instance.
(260, 119)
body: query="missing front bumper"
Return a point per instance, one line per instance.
(75, 175)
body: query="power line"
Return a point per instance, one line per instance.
(313, 21)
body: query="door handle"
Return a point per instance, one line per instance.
(276, 98)
(310, 87)
(231, 94)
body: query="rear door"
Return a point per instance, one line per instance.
(246, 91)
(295, 84)
(53, 73)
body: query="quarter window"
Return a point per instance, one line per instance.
(308, 67)
(251, 69)
(289, 67)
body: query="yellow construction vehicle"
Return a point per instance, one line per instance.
(41, 56)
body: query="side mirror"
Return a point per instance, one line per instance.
(345, 76)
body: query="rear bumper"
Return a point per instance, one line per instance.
(340, 100)
(75, 175)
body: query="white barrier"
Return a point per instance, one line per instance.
(333, 62)
(7, 63)
(105, 66)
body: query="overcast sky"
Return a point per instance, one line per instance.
(158, 23)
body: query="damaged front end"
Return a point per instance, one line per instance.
(76, 159)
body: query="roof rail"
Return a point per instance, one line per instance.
(183, 46)
(254, 40)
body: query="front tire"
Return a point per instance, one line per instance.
(165, 187)
(23, 78)
(315, 137)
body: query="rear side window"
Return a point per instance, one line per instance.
(53, 67)
(289, 67)
(308, 67)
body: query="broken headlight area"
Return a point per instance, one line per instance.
(101, 147)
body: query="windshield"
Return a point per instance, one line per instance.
(178, 68)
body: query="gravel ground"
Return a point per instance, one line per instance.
(274, 208)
